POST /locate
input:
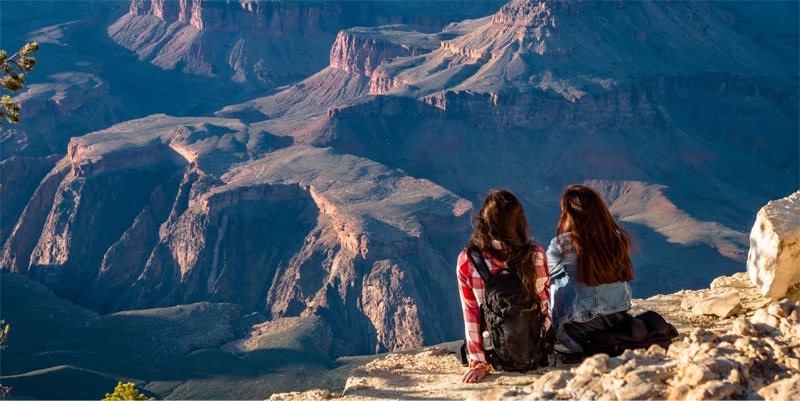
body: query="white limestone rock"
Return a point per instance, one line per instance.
(691, 298)
(723, 305)
(773, 262)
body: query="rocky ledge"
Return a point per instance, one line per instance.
(754, 354)
(361, 50)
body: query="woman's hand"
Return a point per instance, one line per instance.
(473, 375)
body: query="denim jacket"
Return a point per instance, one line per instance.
(571, 301)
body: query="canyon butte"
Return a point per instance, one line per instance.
(314, 166)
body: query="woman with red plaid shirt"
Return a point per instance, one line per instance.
(502, 235)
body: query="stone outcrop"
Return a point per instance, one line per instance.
(361, 50)
(773, 262)
(723, 305)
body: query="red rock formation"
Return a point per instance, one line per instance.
(357, 54)
(380, 83)
(309, 18)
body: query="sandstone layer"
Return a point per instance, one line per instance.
(774, 259)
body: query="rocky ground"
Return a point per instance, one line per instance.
(753, 354)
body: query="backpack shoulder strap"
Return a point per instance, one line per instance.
(464, 361)
(476, 256)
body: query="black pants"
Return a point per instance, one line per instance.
(572, 335)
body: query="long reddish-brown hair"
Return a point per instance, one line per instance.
(603, 247)
(501, 218)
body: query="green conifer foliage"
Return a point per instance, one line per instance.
(12, 78)
(3, 337)
(126, 392)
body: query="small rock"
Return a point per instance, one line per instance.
(653, 373)
(691, 298)
(656, 352)
(355, 384)
(765, 322)
(715, 390)
(783, 390)
(319, 394)
(677, 349)
(787, 306)
(723, 305)
(640, 390)
(743, 327)
(696, 374)
(595, 364)
(553, 380)
(615, 362)
(776, 310)
(678, 392)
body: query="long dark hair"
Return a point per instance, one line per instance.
(603, 247)
(502, 219)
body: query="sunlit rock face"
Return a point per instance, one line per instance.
(267, 42)
(361, 50)
(167, 211)
(774, 259)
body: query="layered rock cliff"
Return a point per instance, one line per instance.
(164, 211)
(273, 19)
(669, 117)
(360, 51)
(278, 19)
(227, 39)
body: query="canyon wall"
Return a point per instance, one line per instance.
(361, 51)
(624, 112)
(145, 222)
(261, 18)
(278, 19)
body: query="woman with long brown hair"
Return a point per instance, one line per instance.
(590, 265)
(502, 238)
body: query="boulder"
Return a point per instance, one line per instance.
(723, 305)
(773, 262)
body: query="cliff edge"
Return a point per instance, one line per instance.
(753, 355)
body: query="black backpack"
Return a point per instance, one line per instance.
(515, 328)
(633, 332)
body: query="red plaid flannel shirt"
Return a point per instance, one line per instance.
(471, 288)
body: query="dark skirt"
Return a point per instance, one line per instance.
(572, 335)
